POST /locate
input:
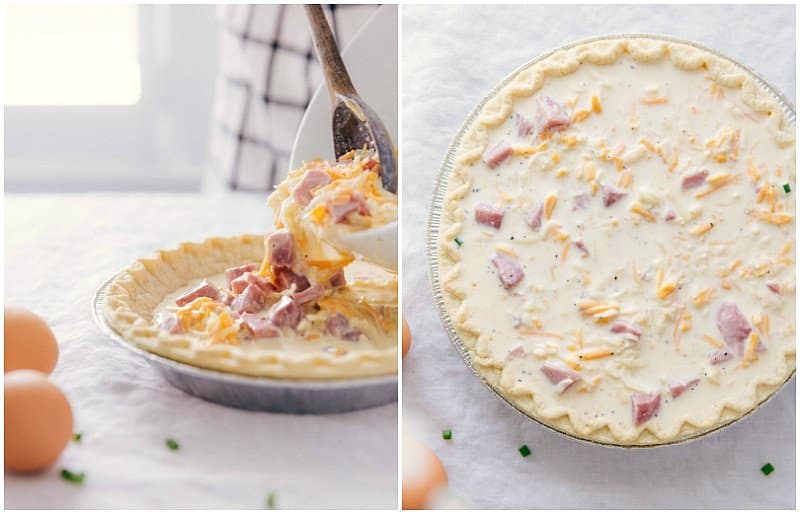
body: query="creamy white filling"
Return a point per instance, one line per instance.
(631, 258)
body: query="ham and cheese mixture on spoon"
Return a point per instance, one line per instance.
(624, 250)
(306, 296)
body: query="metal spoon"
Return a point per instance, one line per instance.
(355, 124)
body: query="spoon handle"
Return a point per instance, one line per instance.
(336, 76)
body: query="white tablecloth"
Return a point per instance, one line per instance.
(59, 249)
(452, 56)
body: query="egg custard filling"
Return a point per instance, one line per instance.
(291, 307)
(617, 242)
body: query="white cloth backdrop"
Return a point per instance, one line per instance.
(58, 250)
(451, 57)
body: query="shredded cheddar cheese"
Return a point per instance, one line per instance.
(639, 209)
(775, 218)
(713, 342)
(654, 100)
(549, 205)
(703, 297)
(702, 228)
(595, 353)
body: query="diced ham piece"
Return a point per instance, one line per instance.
(338, 326)
(581, 201)
(559, 377)
(260, 282)
(280, 248)
(611, 195)
(233, 273)
(719, 356)
(580, 245)
(732, 324)
(338, 279)
(239, 284)
(204, 290)
(259, 326)
(488, 215)
(624, 326)
(497, 154)
(251, 300)
(693, 180)
(309, 295)
(534, 217)
(517, 353)
(226, 298)
(524, 125)
(285, 313)
(286, 278)
(774, 287)
(341, 209)
(172, 325)
(670, 215)
(645, 406)
(312, 179)
(677, 387)
(550, 114)
(509, 271)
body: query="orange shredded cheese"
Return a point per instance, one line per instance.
(654, 100)
(702, 228)
(665, 290)
(750, 355)
(550, 204)
(713, 342)
(639, 209)
(596, 107)
(775, 218)
(716, 182)
(580, 116)
(595, 353)
(703, 297)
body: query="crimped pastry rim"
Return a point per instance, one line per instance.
(117, 313)
(645, 438)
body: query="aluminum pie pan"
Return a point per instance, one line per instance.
(440, 190)
(256, 393)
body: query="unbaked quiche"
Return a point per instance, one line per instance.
(616, 247)
(307, 310)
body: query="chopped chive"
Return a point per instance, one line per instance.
(447, 434)
(458, 241)
(767, 468)
(271, 500)
(77, 437)
(524, 450)
(173, 445)
(787, 188)
(70, 476)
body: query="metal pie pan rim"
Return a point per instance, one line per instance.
(437, 201)
(222, 376)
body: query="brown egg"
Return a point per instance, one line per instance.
(406, 338)
(38, 421)
(423, 475)
(29, 343)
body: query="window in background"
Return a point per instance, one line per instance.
(108, 97)
(53, 55)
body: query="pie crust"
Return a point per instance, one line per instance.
(133, 295)
(483, 133)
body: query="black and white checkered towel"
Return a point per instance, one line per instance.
(268, 72)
